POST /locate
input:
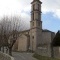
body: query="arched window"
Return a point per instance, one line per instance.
(33, 16)
(39, 16)
(38, 23)
(33, 24)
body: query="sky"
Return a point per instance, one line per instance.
(22, 8)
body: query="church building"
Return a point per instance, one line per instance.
(35, 39)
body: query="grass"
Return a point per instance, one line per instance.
(39, 57)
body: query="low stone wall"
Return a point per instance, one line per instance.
(44, 50)
(4, 56)
(56, 51)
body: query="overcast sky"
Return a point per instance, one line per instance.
(50, 11)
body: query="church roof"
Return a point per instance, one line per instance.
(24, 31)
(45, 30)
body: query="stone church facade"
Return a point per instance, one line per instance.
(35, 39)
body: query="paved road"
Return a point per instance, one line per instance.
(23, 56)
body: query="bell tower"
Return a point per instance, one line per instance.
(35, 25)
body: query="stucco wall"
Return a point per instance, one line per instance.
(22, 43)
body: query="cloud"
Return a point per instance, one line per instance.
(9, 7)
(15, 7)
(25, 18)
(23, 9)
(51, 6)
(47, 6)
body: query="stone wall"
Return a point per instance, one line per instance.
(4, 56)
(46, 37)
(44, 50)
(56, 52)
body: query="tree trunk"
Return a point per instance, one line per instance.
(0, 48)
(3, 49)
(10, 51)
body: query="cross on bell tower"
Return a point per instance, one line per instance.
(35, 24)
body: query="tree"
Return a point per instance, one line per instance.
(9, 32)
(56, 40)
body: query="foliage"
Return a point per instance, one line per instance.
(56, 40)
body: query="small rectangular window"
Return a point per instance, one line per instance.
(33, 37)
(33, 24)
